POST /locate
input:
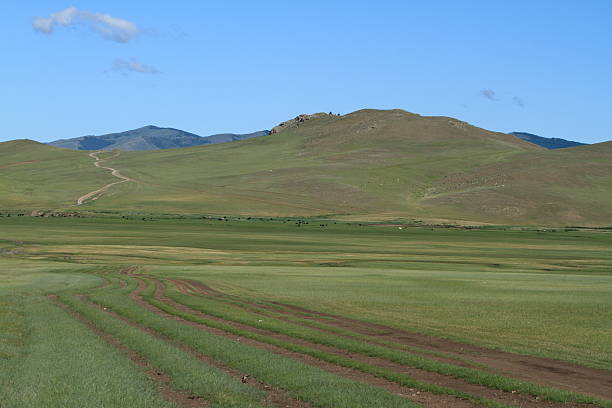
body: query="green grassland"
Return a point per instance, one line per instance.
(534, 292)
(529, 291)
(47, 358)
(368, 164)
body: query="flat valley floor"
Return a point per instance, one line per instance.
(235, 312)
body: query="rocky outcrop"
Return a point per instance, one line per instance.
(298, 120)
(39, 213)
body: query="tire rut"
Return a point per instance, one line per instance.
(428, 400)
(276, 397)
(182, 398)
(264, 310)
(539, 370)
(510, 398)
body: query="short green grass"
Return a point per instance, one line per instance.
(536, 292)
(302, 381)
(471, 375)
(35, 176)
(61, 363)
(542, 293)
(48, 359)
(187, 373)
(337, 359)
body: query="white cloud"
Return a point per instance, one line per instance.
(133, 65)
(111, 28)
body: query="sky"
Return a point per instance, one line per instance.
(92, 67)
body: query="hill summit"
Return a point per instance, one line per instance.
(149, 138)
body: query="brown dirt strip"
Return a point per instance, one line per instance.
(128, 270)
(204, 289)
(162, 380)
(19, 163)
(555, 373)
(186, 289)
(539, 370)
(275, 397)
(427, 399)
(510, 398)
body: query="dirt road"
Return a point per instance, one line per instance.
(94, 195)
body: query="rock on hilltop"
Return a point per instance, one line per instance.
(298, 120)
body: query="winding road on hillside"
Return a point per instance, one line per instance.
(94, 195)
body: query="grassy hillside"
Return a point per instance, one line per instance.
(369, 164)
(34, 175)
(362, 163)
(569, 186)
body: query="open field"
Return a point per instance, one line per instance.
(276, 313)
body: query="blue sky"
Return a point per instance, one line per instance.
(543, 67)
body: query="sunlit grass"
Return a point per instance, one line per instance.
(62, 364)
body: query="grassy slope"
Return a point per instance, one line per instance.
(35, 176)
(531, 292)
(569, 186)
(381, 164)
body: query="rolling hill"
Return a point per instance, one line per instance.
(149, 138)
(547, 142)
(369, 164)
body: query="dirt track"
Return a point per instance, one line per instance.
(183, 399)
(425, 398)
(276, 398)
(428, 399)
(539, 370)
(94, 195)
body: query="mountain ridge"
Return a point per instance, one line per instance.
(149, 137)
(547, 142)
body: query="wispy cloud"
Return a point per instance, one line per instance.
(133, 65)
(111, 28)
(518, 101)
(489, 94)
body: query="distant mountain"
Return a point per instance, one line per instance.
(149, 138)
(547, 142)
